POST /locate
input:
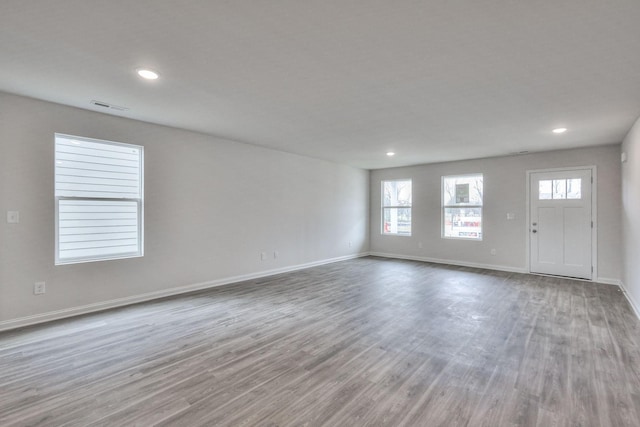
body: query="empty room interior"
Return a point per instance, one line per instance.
(319, 213)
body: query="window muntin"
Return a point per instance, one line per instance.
(396, 207)
(99, 199)
(462, 198)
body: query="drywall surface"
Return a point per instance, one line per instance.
(211, 207)
(631, 215)
(505, 191)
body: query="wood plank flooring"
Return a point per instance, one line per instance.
(366, 342)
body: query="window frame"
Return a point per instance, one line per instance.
(444, 207)
(383, 207)
(139, 203)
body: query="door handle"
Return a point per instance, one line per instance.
(534, 231)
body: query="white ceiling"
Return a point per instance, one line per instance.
(342, 80)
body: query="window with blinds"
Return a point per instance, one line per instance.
(99, 199)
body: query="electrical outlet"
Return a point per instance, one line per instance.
(350, 243)
(419, 245)
(493, 252)
(39, 288)
(275, 254)
(263, 256)
(13, 217)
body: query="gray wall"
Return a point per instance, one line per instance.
(504, 191)
(631, 215)
(211, 207)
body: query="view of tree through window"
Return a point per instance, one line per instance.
(462, 206)
(396, 207)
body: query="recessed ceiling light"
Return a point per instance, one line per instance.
(391, 153)
(147, 74)
(559, 130)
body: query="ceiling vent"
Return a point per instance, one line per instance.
(102, 104)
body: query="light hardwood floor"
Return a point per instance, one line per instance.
(366, 342)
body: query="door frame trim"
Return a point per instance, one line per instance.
(594, 215)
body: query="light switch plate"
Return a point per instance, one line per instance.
(13, 217)
(39, 288)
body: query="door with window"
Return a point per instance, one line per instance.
(560, 226)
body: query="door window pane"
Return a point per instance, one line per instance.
(574, 188)
(544, 190)
(559, 188)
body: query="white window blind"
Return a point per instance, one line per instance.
(98, 191)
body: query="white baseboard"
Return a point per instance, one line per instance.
(608, 281)
(451, 262)
(634, 305)
(120, 302)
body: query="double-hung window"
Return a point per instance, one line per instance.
(99, 200)
(462, 206)
(396, 207)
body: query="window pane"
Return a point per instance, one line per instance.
(397, 193)
(463, 190)
(388, 190)
(97, 228)
(99, 199)
(559, 188)
(463, 222)
(544, 190)
(574, 188)
(94, 169)
(396, 221)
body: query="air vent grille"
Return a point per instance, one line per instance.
(103, 104)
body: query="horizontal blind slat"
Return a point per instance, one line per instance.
(94, 244)
(95, 160)
(71, 172)
(98, 180)
(78, 167)
(96, 223)
(86, 237)
(73, 142)
(114, 191)
(100, 154)
(113, 204)
(98, 194)
(98, 252)
(66, 216)
(77, 231)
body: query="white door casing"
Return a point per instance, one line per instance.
(560, 223)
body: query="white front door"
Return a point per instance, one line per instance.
(560, 227)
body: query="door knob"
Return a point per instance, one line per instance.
(534, 231)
